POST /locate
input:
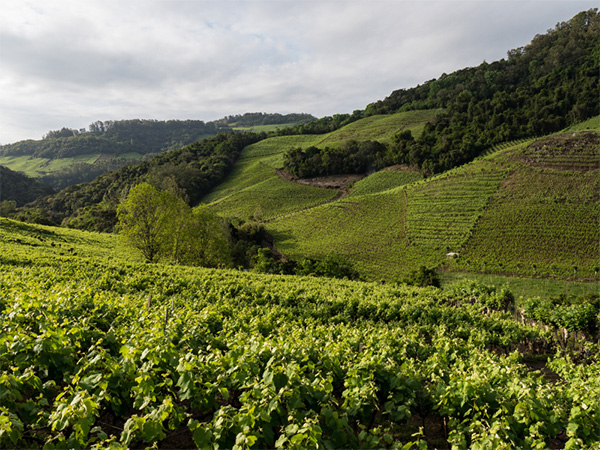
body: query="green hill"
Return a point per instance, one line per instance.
(66, 157)
(537, 195)
(255, 185)
(19, 188)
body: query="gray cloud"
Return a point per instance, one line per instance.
(68, 63)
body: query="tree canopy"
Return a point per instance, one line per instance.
(163, 227)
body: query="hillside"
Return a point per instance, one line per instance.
(67, 157)
(463, 114)
(190, 171)
(100, 350)
(19, 188)
(540, 88)
(256, 189)
(539, 196)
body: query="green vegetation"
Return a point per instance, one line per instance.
(251, 120)
(442, 211)
(526, 287)
(539, 89)
(192, 171)
(385, 180)
(389, 232)
(18, 188)
(381, 128)
(160, 225)
(114, 138)
(103, 346)
(549, 228)
(99, 350)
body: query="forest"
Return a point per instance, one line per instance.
(191, 171)
(114, 138)
(538, 89)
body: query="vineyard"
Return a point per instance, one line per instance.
(442, 213)
(98, 352)
(527, 208)
(551, 227)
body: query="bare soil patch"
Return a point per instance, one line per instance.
(341, 182)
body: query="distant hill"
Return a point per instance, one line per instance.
(191, 171)
(259, 119)
(67, 156)
(20, 188)
(114, 138)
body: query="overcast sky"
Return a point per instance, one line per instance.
(67, 63)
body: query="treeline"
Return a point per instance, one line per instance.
(539, 89)
(350, 157)
(114, 138)
(190, 172)
(260, 118)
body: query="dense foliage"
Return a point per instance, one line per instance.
(163, 227)
(258, 118)
(192, 171)
(540, 88)
(20, 188)
(330, 266)
(350, 157)
(97, 352)
(114, 138)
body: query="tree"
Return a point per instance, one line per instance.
(143, 219)
(161, 225)
(423, 277)
(201, 239)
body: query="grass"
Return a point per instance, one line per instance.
(36, 167)
(384, 180)
(526, 287)
(381, 128)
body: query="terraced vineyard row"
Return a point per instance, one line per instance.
(97, 354)
(442, 213)
(577, 151)
(550, 228)
(384, 180)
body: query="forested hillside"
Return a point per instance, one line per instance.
(190, 172)
(114, 138)
(19, 188)
(540, 88)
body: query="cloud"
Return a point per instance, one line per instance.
(68, 63)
